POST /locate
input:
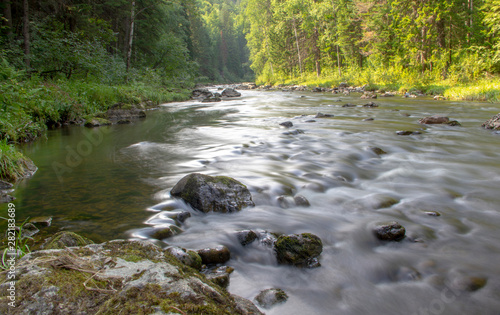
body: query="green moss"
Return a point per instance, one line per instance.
(65, 239)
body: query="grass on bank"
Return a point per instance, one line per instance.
(400, 80)
(28, 106)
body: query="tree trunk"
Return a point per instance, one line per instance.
(26, 35)
(7, 13)
(317, 53)
(131, 35)
(298, 46)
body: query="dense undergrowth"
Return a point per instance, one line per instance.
(486, 88)
(29, 105)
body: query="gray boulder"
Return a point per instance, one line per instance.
(229, 92)
(218, 194)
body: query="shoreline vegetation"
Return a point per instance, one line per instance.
(30, 106)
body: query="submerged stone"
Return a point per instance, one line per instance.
(434, 120)
(298, 249)
(407, 133)
(270, 297)
(391, 231)
(165, 232)
(218, 194)
(41, 221)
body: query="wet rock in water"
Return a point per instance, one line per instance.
(391, 231)
(301, 201)
(407, 274)
(286, 124)
(430, 120)
(28, 230)
(5, 185)
(182, 216)
(468, 283)
(298, 249)
(165, 232)
(348, 105)
(229, 92)
(321, 115)
(65, 239)
(407, 133)
(97, 122)
(284, 201)
(216, 255)
(370, 104)
(246, 237)
(4, 198)
(368, 95)
(270, 297)
(454, 123)
(207, 193)
(493, 123)
(187, 257)
(369, 119)
(219, 275)
(310, 121)
(211, 99)
(377, 150)
(439, 98)
(432, 213)
(201, 93)
(294, 132)
(41, 221)
(124, 121)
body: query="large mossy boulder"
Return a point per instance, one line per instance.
(126, 277)
(218, 194)
(299, 250)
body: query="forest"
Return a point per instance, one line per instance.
(62, 60)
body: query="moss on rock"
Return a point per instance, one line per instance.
(298, 249)
(66, 239)
(208, 193)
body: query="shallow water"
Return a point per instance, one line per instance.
(114, 182)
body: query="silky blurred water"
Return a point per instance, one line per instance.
(114, 182)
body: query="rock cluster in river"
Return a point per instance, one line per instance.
(205, 95)
(270, 297)
(207, 193)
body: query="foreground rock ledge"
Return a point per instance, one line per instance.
(134, 277)
(218, 194)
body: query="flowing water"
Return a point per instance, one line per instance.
(114, 182)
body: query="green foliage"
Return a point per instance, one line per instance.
(20, 245)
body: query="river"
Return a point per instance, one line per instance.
(114, 182)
